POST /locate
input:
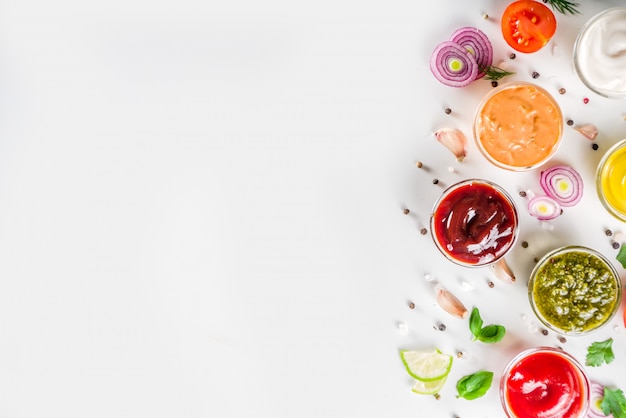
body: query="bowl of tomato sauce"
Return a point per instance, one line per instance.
(544, 382)
(474, 223)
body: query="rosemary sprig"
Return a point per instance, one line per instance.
(494, 73)
(563, 6)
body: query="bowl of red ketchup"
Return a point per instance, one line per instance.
(544, 382)
(474, 223)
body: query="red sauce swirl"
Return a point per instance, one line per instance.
(545, 385)
(475, 223)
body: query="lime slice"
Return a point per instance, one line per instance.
(429, 388)
(426, 365)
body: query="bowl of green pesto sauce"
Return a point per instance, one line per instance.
(574, 290)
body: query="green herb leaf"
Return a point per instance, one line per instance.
(474, 385)
(475, 323)
(621, 256)
(563, 6)
(599, 353)
(614, 403)
(489, 334)
(492, 334)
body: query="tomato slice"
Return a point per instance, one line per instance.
(527, 25)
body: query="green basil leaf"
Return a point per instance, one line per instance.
(492, 334)
(475, 322)
(474, 385)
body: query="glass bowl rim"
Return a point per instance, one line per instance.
(591, 252)
(581, 33)
(542, 349)
(615, 147)
(505, 195)
(505, 86)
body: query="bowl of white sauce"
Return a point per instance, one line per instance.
(600, 53)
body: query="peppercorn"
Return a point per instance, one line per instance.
(544, 331)
(494, 84)
(562, 339)
(522, 193)
(435, 181)
(524, 244)
(570, 122)
(406, 211)
(411, 305)
(562, 90)
(535, 74)
(423, 231)
(594, 147)
(586, 100)
(448, 110)
(441, 327)
(608, 232)
(419, 164)
(490, 284)
(615, 245)
(512, 55)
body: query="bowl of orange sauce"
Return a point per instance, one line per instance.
(518, 126)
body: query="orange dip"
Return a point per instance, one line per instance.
(518, 127)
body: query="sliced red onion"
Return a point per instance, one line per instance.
(477, 44)
(563, 184)
(544, 208)
(453, 65)
(595, 398)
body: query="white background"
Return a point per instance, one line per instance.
(201, 207)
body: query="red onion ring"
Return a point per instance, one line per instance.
(453, 65)
(563, 184)
(596, 394)
(477, 44)
(544, 208)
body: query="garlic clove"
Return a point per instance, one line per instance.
(453, 139)
(588, 130)
(502, 271)
(450, 303)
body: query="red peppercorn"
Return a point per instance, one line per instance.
(586, 100)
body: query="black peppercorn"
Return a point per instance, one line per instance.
(535, 74)
(570, 122)
(594, 147)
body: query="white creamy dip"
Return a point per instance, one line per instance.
(600, 53)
